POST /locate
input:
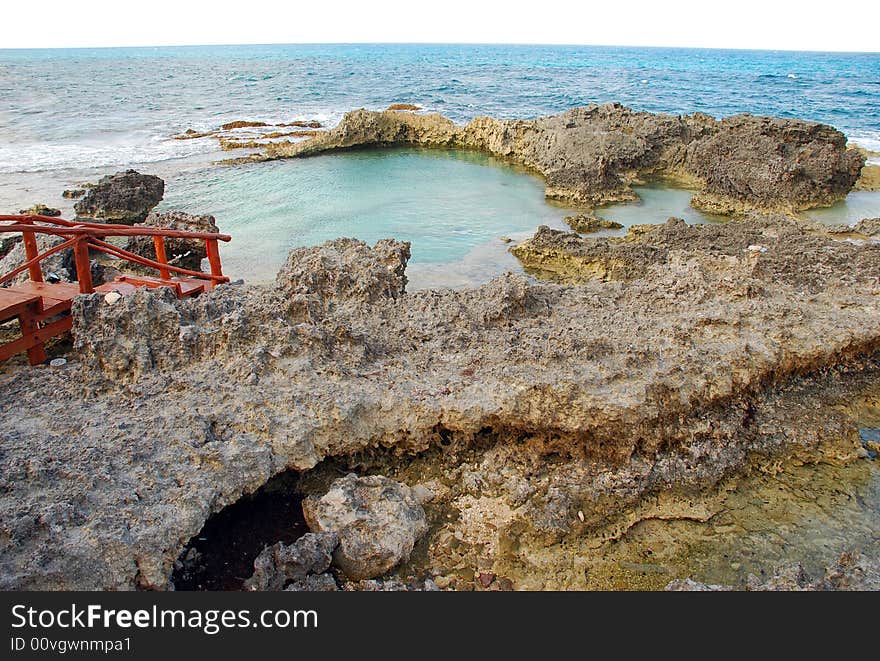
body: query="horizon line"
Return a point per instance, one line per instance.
(439, 43)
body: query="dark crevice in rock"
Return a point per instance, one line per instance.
(221, 556)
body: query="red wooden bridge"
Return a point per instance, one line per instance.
(43, 308)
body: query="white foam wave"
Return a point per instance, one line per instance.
(44, 156)
(869, 140)
(125, 150)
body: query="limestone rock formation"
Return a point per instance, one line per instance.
(40, 209)
(125, 197)
(591, 155)
(771, 163)
(868, 227)
(298, 566)
(185, 253)
(666, 378)
(7, 243)
(378, 522)
(852, 572)
(316, 279)
(586, 223)
(61, 264)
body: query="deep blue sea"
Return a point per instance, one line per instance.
(71, 115)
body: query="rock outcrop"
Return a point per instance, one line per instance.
(586, 223)
(7, 243)
(185, 253)
(591, 155)
(868, 227)
(125, 197)
(852, 572)
(40, 209)
(712, 346)
(61, 264)
(378, 522)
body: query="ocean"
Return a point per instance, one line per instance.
(68, 115)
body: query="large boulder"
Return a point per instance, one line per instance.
(125, 197)
(378, 522)
(315, 280)
(185, 253)
(772, 163)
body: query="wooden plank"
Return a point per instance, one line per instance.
(190, 286)
(147, 281)
(124, 288)
(56, 290)
(40, 335)
(56, 298)
(27, 321)
(13, 303)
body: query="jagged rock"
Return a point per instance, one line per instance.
(771, 163)
(185, 253)
(242, 124)
(378, 522)
(40, 209)
(404, 106)
(125, 197)
(870, 177)
(315, 280)
(852, 572)
(591, 155)
(61, 263)
(73, 193)
(585, 223)
(868, 226)
(7, 243)
(303, 123)
(671, 377)
(299, 565)
(378, 585)
(313, 583)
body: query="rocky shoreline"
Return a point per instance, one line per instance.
(592, 155)
(505, 435)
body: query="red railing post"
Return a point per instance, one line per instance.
(83, 265)
(31, 251)
(161, 257)
(213, 256)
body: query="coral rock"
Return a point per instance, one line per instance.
(377, 519)
(125, 197)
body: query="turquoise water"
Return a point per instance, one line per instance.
(73, 115)
(454, 207)
(857, 205)
(656, 204)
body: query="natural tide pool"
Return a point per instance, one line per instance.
(457, 208)
(454, 207)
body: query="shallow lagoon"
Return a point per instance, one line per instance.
(456, 208)
(453, 206)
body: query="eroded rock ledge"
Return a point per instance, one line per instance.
(171, 409)
(592, 155)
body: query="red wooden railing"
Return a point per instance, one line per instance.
(83, 236)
